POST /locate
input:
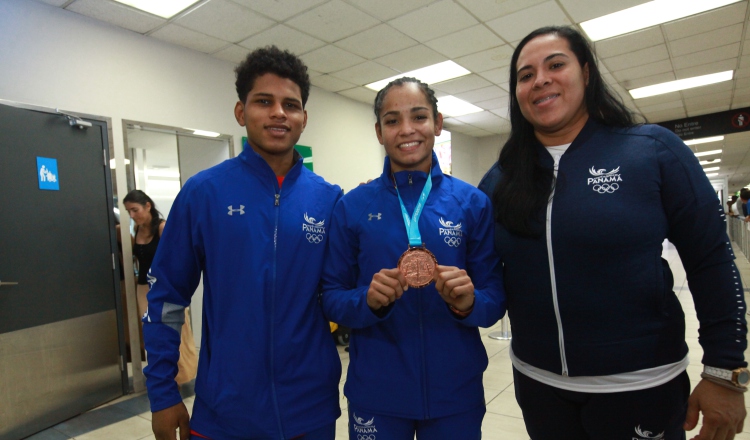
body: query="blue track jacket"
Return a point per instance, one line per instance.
(611, 309)
(417, 360)
(268, 366)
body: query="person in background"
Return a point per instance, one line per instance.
(584, 198)
(413, 283)
(149, 225)
(256, 228)
(744, 197)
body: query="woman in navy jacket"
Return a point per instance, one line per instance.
(584, 198)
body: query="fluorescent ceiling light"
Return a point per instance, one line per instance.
(112, 163)
(712, 174)
(709, 162)
(452, 106)
(212, 134)
(647, 15)
(430, 75)
(708, 153)
(711, 169)
(162, 8)
(704, 140)
(681, 84)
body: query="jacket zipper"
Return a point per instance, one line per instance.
(422, 350)
(553, 283)
(277, 196)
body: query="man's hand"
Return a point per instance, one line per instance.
(455, 287)
(723, 411)
(385, 288)
(164, 423)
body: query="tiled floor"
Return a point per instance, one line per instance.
(129, 418)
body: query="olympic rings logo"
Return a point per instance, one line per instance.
(365, 436)
(452, 241)
(314, 238)
(606, 188)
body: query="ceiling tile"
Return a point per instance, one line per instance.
(482, 94)
(503, 112)
(330, 83)
(722, 87)
(666, 115)
(629, 42)
(707, 40)
(284, 37)
(487, 59)
(489, 9)
(280, 10)
(493, 104)
(365, 73)
(388, 9)
(741, 83)
(476, 118)
(637, 58)
(707, 56)
(582, 10)
(742, 73)
(705, 69)
(741, 94)
(658, 99)
(412, 58)
(376, 42)
(497, 76)
(57, 3)
(706, 111)
(643, 71)
(745, 61)
(462, 84)
(663, 106)
(188, 38)
(117, 14)
(464, 42)
(712, 100)
(333, 21)
(648, 80)
(478, 133)
(330, 58)
(433, 21)
(361, 94)
(519, 24)
(225, 20)
(707, 21)
(742, 103)
(235, 54)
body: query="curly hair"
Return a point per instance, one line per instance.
(428, 92)
(271, 59)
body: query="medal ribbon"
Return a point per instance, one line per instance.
(412, 224)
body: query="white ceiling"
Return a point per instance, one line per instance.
(349, 43)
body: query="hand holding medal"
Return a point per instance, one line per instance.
(456, 289)
(385, 288)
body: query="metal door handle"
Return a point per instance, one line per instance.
(8, 283)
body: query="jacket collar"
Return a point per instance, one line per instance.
(584, 135)
(261, 168)
(402, 177)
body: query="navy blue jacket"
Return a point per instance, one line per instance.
(620, 192)
(268, 366)
(417, 360)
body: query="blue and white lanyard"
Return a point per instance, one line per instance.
(412, 224)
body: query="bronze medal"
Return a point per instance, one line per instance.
(417, 265)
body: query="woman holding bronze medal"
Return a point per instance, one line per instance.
(412, 270)
(584, 199)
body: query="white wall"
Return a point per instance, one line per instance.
(472, 157)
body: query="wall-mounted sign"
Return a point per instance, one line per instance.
(306, 153)
(714, 124)
(47, 173)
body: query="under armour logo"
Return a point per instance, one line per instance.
(372, 216)
(241, 210)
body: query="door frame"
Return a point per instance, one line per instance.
(126, 249)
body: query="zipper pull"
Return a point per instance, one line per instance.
(276, 202)
(410, 182)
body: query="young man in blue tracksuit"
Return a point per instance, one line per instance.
(416, 357)
(256, 228)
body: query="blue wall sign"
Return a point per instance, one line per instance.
(47, 173)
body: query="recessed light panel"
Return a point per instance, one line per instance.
(681, 84)
(162, 8)
(452, 106)
(647, 15)
(430, 75)
(708, 153)
(704, 140)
